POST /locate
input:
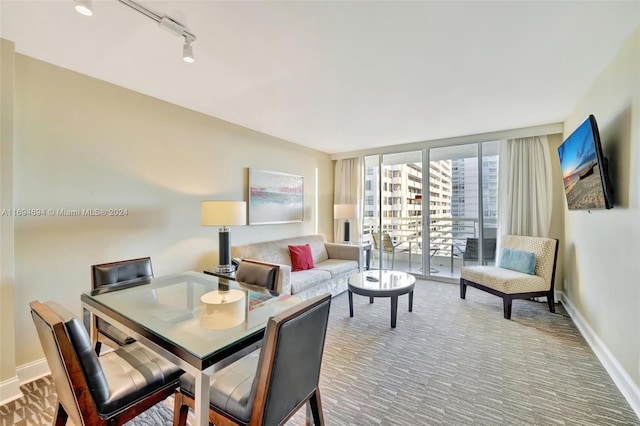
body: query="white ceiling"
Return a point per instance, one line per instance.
(341, 76)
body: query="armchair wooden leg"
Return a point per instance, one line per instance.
(551, 302)
(463, 290)
(61, 416)
(316, 408)
(506, 307)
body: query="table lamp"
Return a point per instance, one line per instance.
(223, 214)
(346, 212)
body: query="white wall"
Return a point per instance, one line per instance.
(602, 248)
(83, 143)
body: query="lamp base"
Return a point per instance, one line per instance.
(225, 269)
(347, 231)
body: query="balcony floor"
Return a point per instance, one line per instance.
(442, 266)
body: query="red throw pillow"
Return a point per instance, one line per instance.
(301, 257)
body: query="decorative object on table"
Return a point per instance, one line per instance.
(346, 212)
(263, 388)
(223, 309)
(223, 214)
(275, 197)
(119, 387)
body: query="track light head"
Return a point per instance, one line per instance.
(187, 51)
(84, 7)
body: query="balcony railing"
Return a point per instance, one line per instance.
(448, 235)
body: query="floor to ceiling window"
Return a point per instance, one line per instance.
(461, 214)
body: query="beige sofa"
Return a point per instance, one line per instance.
(333, 263)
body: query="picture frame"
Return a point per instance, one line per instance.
(275, 197)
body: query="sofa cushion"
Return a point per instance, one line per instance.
(301, 257)
(518, 260)
(504, 280)
(336, 266)
(303, 280)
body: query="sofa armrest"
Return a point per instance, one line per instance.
(284, 280)
(343, 251)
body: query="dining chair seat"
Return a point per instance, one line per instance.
(230, 387)
(92, 390)
(269, 386)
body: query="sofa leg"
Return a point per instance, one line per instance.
(506, 307)
(463, 290)
(551, 302)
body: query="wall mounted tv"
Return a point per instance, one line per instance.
(584, 169)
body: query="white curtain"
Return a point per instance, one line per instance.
(525, 187)
(348, 190)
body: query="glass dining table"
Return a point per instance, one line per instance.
(200, 334)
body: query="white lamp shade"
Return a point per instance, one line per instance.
(345, 211)
(223, 213)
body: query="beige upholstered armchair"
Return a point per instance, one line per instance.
(509, 279)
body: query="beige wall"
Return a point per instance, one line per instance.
(81, 143)
(558, 206)
(602, 250)
(7, 333)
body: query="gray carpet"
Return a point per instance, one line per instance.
(450, 362)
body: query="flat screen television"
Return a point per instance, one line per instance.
(584, 169)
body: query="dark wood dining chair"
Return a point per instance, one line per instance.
(116, 276)
(268, 387)
(91, 390)
(258, 273)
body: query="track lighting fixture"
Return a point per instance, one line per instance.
(187, 51)
(84, 7)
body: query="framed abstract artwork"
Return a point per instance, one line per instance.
(275, 197)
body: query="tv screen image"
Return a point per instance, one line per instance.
(584, 168)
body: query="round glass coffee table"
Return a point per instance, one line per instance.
(382, 283)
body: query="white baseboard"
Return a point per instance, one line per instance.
(10, 389)
(32, 371)
(629, 389)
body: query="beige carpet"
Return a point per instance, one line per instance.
(450, 362)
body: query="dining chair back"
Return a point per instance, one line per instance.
(258, 273)
(116, 276)
(270, 387)
(92, 390)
